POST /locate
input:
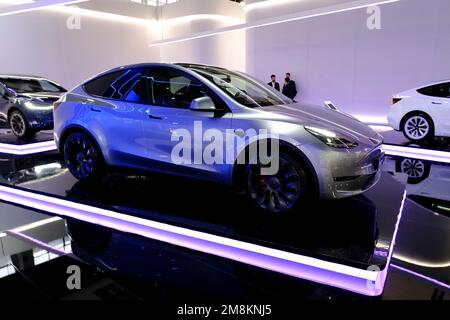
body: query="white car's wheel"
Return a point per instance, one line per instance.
(418, 127)
(417, 170)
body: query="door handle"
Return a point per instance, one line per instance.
(154, 117)
(96, 110)
(436, 102)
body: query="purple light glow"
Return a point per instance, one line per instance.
(27, 149)
(324, 272)
(424, 277)
(38, 243)
(417, 153)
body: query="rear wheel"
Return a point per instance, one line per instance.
(19, 125)
(280, 192)
(82, 156)
(418, 128)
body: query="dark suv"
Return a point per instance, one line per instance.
(26, 103)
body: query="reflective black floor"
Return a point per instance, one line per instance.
(6, 136)
(117, 265)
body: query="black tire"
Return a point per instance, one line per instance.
(417, 170)
(279, 193)
(418, 127)
(83, 156)
(19, 125)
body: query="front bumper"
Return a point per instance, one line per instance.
(41, 120)
(346, 173)
(367, 175)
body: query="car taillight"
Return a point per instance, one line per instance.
(395, 100)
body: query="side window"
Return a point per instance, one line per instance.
(445, 90)
(173, 88)
(439, 90)
(100, 86)
(130, 85)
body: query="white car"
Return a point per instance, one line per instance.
(422, 113)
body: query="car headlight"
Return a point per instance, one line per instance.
(331, 139)
(36, 106)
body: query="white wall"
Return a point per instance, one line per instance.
(226, 50)
(39, 43)
(337, 57)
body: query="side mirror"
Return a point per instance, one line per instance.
(203, 104)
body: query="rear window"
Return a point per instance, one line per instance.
(439, 90)
(101, 86)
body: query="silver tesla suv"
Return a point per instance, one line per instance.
(213, 124)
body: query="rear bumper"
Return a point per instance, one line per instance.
(394, 118)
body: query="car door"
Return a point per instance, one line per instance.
(438, 102)
(118, 108)
(170, 121)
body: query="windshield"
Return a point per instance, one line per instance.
(245, 90)
(31, 85)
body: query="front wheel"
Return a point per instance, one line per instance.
(418, 128)
(280, 192)
(82, 156)
(19, 125)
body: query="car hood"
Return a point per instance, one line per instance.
(306, 114)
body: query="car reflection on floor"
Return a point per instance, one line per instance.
(16, 170)
(428, 183)
(154, 270)
(322, 229)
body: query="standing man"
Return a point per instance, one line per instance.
(274, 84)
(289, 87)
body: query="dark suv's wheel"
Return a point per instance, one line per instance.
(418, 127)
(280, 192)
(82, 156)
(19, 125)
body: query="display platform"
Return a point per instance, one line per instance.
(122, 266)
(396, 144)
(41, 142)
(346, 244)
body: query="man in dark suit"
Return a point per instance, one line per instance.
(274, 84)
(289, 87)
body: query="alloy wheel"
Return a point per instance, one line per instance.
(413, 168)
(18, 125)
(80, 155)
(417, 128)
(276, 193)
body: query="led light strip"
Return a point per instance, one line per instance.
(324, 272)
(27, 149)
(417, 153)
(142, 21)
(424, 277)
(37, 243)
(255, 25)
